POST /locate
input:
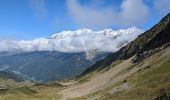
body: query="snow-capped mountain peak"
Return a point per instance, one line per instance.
(106, 32)
(65, 34)
(112, 33)
(81, 40)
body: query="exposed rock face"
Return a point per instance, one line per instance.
(151, 39)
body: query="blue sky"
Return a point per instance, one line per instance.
(29, 19)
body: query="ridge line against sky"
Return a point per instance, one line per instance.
(30, 19)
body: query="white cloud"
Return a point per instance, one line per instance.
(132, 12)
(75, 41)
(163, 6)
(38, 6)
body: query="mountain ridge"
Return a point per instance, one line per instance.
(105, 32)
(48, 66)
(134, 47)
(74, 41)
(138, 75)
(157, 36)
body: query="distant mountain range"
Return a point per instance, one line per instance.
(63, 55)
(82, 40)
(48, 66)
(87, 32)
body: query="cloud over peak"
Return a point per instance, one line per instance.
(81, 40)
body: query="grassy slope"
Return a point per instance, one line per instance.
(28, 91)
(153, 75)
